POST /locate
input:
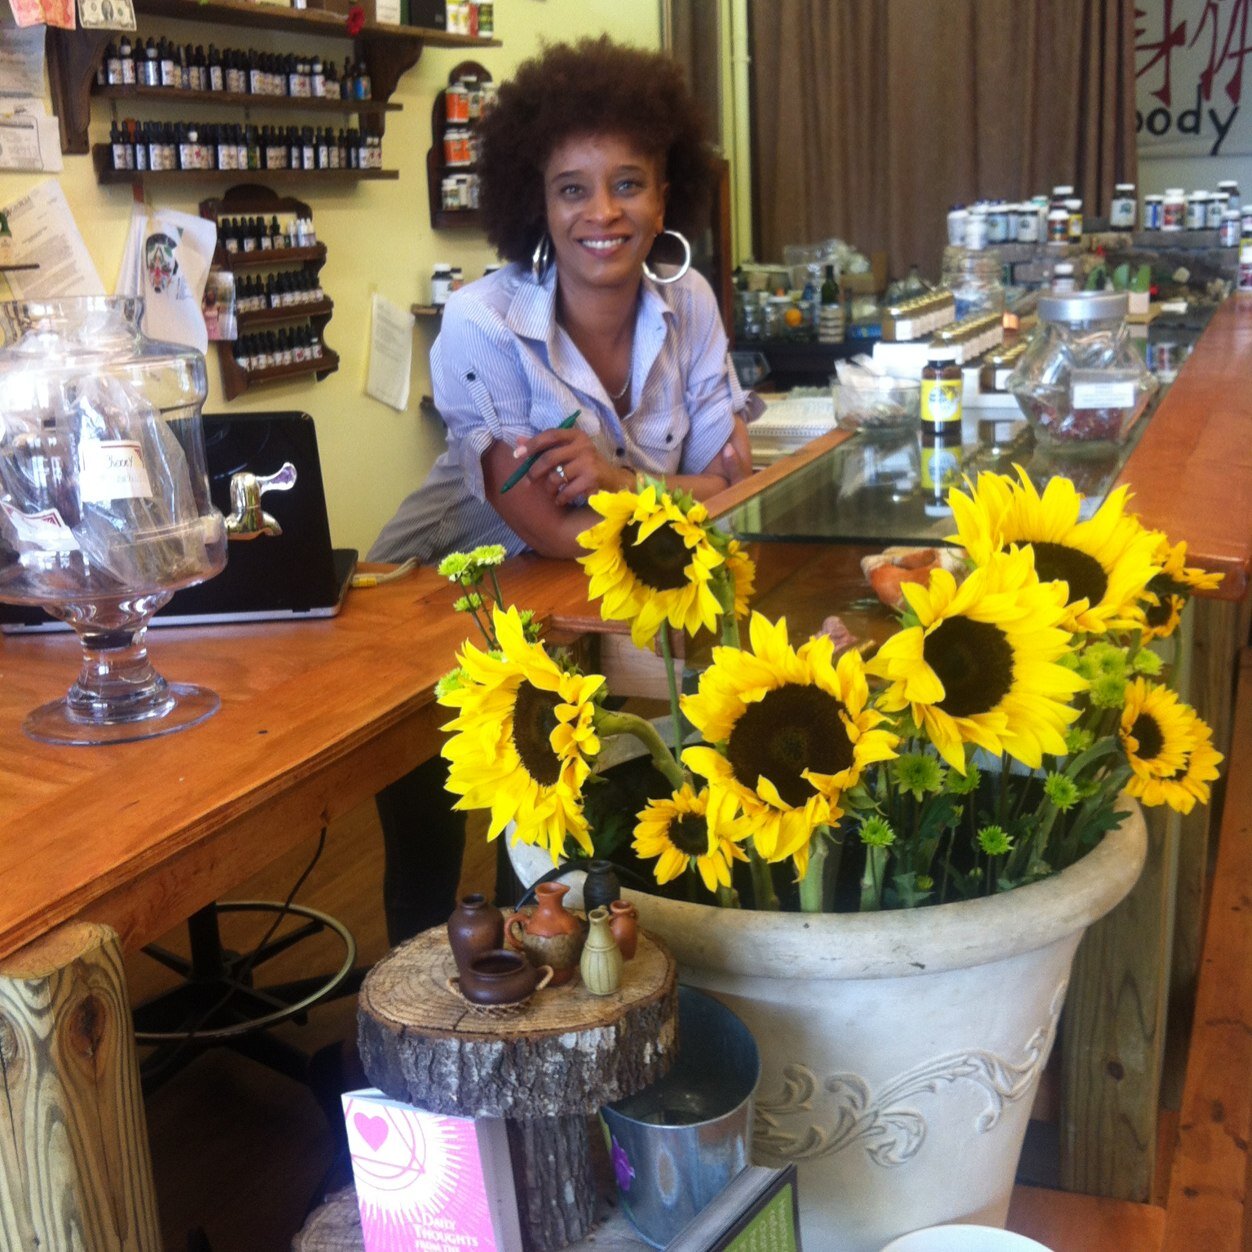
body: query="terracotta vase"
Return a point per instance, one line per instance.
(476, 926)
(601, 964)
(624, 923)
(601, 886)
(551, 935)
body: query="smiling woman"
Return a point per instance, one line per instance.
(593, 151)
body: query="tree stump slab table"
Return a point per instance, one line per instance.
(542, 1068)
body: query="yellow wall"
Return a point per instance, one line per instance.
(378, 237)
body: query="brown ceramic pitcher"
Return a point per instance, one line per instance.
(551, 935)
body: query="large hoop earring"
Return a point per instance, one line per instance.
(541, 258)
(682, 269)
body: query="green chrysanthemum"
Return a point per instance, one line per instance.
(919, 774)
(994, 840)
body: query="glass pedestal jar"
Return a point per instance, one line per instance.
(104, 504)
(1080, 382)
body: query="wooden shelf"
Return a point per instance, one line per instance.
(426, 310)
(261, 258)
(102, 158)
(455, 219)
(291, 313)
(388, 52)
(245, 100)
(317, 22)
(275, 374)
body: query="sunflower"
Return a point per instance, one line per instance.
(981, 666)
(524, 736)
(742, 573)
(793, 732)
(1168, 747)
(1105, 562)
(1168, 592)
(652, 562)
(676, 831)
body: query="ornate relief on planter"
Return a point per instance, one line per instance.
(891, 1133)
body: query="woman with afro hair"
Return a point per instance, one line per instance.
(592, 159)
(592, 153)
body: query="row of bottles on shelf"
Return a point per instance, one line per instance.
(254, 294)
(253, 234)
(231, 146)
(294, 345)
(162, 63)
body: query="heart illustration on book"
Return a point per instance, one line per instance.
(372, 1129)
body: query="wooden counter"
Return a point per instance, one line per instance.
(316, 716)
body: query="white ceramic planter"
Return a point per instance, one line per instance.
(900, 1051)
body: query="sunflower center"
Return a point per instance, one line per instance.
(1084, 574)
(534, 720)
(974, 661)
(690, 835)
(791, 729)
(660, 560)
(1159, 614)
(1148, 735)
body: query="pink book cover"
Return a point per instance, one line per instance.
(427, 1182)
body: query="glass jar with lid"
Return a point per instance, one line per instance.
(1080, 381)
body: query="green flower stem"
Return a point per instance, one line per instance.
(763, 894)
(671, 681)
(872, 879)
(728, 898)
(607, 724)
(723, 587)
(813, 884)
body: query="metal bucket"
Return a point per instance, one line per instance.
(677, 1143)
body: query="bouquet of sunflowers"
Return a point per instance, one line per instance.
(983, 746)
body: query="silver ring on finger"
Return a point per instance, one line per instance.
(560, 472)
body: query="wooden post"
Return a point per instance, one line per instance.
(75, 1169)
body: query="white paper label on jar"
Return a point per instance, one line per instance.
(46, 531)
(1106, 395)
(112, 469)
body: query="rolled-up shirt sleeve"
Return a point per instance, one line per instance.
(711, 394)
(479, 386)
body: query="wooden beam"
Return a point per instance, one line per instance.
(75, 1169)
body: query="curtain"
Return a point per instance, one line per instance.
(872, 117)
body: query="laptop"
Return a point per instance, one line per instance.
(269, 578)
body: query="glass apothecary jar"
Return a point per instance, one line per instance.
(104, 503)
(1080, 381)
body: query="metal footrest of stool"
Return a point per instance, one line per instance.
(209, 995)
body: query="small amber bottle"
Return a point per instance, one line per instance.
(941, 393)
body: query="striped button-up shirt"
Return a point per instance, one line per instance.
(503, 368)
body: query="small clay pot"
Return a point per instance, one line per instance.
(601, 886)
(560, 951)
(498, 977)
(624, 923)
(476, 926)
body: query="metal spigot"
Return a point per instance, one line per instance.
(248, 519)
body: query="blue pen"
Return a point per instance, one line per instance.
(522, 470)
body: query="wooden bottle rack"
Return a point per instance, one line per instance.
(255, 201)
(442, 218)
(387, 51)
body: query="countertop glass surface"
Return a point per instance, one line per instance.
(878, 490)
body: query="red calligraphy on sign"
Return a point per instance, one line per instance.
(1232, 18)
(1159, 51)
